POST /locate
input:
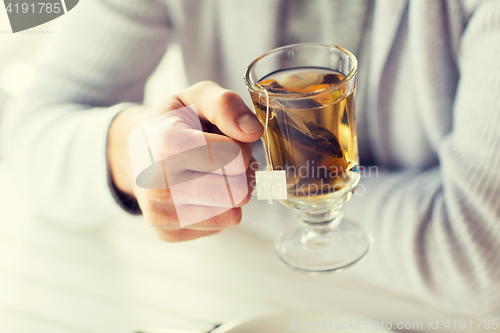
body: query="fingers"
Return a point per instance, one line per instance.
(233, 156)
(209, 218)
(220, 155)
(209, 189)
(176, 137)
(201, 230)
(223, 108)
(181, 235)
(205, 176)
(169, 219)
(196, 188)
(227, 218)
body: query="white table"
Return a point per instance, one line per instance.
(122, 279)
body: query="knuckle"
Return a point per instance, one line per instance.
(203, 84)
(158, 196)
(165, 219)
(169, 133)
(239, 190)
(245, 199)
(236, 216)
(237, 164)
(226, 98)
(241, 162)
(235, 156)
(221, 222)
(168, 139)
(215, 223)
(167, 104)
(216, 195)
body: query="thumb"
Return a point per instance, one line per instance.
(224, 109)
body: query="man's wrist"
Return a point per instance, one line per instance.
(118, 154)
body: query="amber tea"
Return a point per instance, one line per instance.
(312, 137)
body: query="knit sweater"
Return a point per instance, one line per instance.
(428, 116)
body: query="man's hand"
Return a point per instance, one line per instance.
(225, 119)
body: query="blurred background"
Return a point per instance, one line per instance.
(18, 56)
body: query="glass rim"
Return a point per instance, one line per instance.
(257, 88)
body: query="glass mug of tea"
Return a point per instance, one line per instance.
(304, 95)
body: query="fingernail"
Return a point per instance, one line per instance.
(249, 124)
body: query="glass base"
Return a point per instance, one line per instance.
(324, 248)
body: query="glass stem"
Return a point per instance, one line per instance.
(319, 225)
(322, 220)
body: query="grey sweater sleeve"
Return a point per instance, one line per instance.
(56, 134)
(437, 233)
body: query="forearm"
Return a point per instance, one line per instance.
(431, 242)
(437, 231)
(61, 154)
